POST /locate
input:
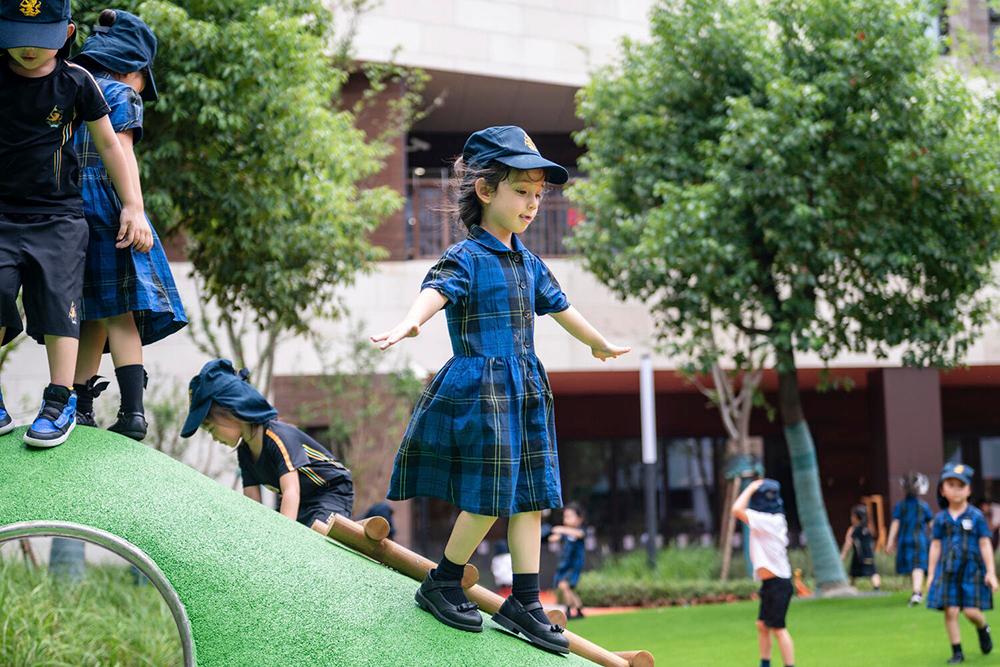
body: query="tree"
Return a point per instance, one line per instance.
(804, 171)
(251, 154)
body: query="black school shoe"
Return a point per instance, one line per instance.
(430, 597)
(985, 640)
(517, 618)
(131, 425)
(956, 659)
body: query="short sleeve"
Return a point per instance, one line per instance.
(451, 276)
(760, 522)
(246, 467)
(897, 511)
(278, 455)
(90, 102)
(927, 515)
(549, 297)
(937, 528)
(126, 110)
(980, 527)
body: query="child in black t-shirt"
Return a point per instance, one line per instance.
(313, 484)
(860, 542)
(43, 233)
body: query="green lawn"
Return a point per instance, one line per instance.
(864, 632)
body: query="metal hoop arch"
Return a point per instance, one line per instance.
(118, 546)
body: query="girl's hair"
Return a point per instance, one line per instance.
(860, 512)
(223, 413)
(107, 18)
(576, 507)
(465, 202)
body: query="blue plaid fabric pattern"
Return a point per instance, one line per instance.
(913, 515)
(482, 435)
(959, 575)
(121, 281)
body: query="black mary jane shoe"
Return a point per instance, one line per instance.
(985, 640)
(517, 618)
(131, 425)
(956, 659)
(430, 597)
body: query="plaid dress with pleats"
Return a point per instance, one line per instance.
(118, 281)
(913, 515)
(959, 575)
(482, 435)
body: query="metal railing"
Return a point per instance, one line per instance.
(430, 230)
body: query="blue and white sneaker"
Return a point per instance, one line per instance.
(6, 421)
(56, 418)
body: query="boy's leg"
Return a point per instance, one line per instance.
(786, 646)
(126, 352)
(764, 641)
(876, 581)
(62, 351)
(978, 619)
(57, 416)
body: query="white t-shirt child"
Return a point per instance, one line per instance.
(769, 543)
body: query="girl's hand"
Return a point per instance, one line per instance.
(890, 549)
(991, 581)
(608, 351)
(133, 230)
(389, 338)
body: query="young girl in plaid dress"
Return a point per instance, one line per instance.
(908, 533)
(129, 295)
(482, 435)
(962, 571)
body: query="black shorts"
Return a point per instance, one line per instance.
(336, 499)
(43, 253)
(775, 596)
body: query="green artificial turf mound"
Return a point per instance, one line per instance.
(259, 589)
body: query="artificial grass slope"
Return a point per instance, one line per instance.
(258, 588)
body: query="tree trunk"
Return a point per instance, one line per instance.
(822, 546)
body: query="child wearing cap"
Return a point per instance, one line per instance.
(908, 533)
(962, 571)
(313, 484)
(860, 543)
(43, 233)
(761, 508)
(482, 435)
(129, 295)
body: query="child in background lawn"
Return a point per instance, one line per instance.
(962, 571)
(482, 435)
(313, 484)
(572, 534)
(43, 234)
(910, 518)
(761, 508)
(860, 541)
(502, 568)
(129, 295)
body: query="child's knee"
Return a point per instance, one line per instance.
(951, 613)
(972, 612)
(762, 627)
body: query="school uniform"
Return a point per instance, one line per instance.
(769, 550)
(325, 485)
(913, 515)
(482, 435)
(960, 572)
(122, 280)
(43, 233)
(863, 553)
(570, 561)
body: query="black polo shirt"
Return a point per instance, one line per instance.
(286, 448)
(38, 116)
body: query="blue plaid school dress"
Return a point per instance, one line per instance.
(118, 281)
(913, 515)
(482, 435)
(959, 575)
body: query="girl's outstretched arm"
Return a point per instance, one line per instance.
(132, 217)
(572, 321)
(429, 302)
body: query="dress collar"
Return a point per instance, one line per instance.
(487, 240)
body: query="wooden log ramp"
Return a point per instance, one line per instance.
(370, 537)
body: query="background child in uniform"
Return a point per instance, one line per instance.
(962, 571)
(482, 435)
(313, 484)
(860, 542)
(761, 508)
(129, 295)
(43, 234)
(910, 518)
(572, 535)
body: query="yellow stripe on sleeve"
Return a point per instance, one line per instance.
(284, 452)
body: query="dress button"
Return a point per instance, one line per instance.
(517, 257)
(522, 284)
(527, 314)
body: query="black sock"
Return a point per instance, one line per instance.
(448, 571)
(56, 393)
(131, 382)
(956, 649)
(525, 590)
(765, 662)
(84, 399)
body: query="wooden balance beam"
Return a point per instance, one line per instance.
(370, 537)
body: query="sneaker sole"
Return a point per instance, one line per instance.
(4, 430)
(425, 604)
(48, 444)
(513, 627)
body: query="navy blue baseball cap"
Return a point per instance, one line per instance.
(767, 498)
(127, 45)
(218, 382)
(510, 145)
(38, 23)
(959, 471)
